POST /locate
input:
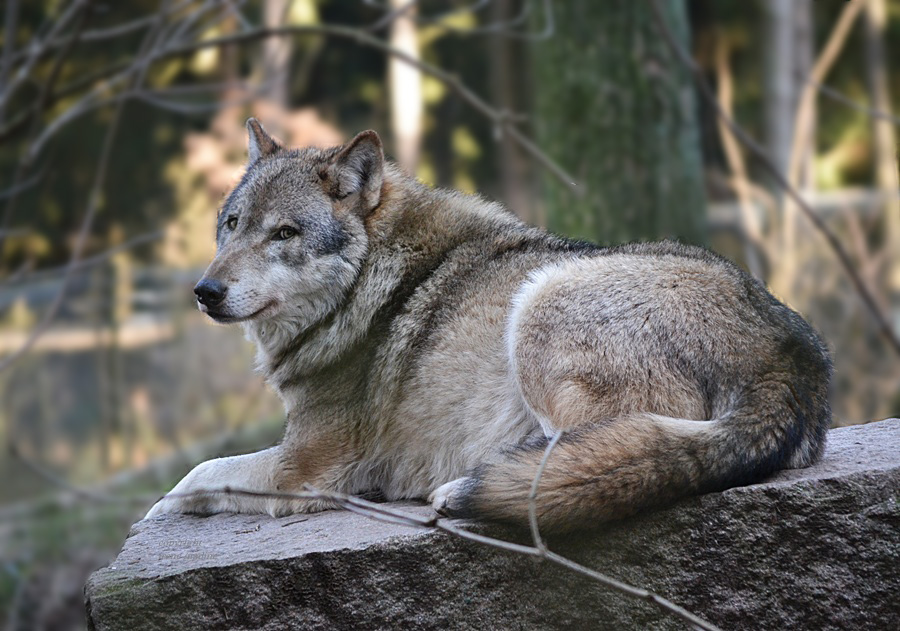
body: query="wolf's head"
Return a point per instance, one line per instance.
(291, 238)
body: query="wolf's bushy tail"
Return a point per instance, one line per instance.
(615, 467)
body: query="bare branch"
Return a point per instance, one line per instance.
(81, 11)
(505, 29)
(70, 88)
(804, 133)
(845, 100)
(89, 102)
(762, 157)
(532, 496)
(38, 48)
(750, 223)
(112, 32)
(55, 480)
(83, 232)
(624, 588)
(93, 203)
(502, 120)
(152, 98)
(392, 515)
(826, 59)
(186, 26)
(11, 18)
(234, 9)
(89, 262)
(19, 188)
(499, 118)
(389, 18)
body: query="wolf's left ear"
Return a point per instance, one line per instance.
(259, 144)
(359, 169)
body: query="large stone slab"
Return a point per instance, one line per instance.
(815, 549)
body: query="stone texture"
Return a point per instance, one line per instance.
(815, 549)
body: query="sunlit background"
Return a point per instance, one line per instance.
(121, 129)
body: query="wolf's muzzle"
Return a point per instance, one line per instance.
(210, 292)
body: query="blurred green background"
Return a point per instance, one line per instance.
(121, 129)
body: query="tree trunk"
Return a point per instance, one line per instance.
(507, 58)
(884, 139)
(789, 53)
(405, 81)
(276, 54)
(615, 108)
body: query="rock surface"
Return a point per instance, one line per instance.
(816, 549)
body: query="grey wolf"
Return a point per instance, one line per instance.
(426, 344)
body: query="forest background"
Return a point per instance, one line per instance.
(121, 128)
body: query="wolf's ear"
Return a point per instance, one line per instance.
(359, 169)
(260, 144)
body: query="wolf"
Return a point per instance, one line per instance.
(428, 344)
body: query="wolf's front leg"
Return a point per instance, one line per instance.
(214, 487)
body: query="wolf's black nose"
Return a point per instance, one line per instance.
(210, 292)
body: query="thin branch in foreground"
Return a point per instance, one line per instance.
(884, 325)
(532, 496)
(37, 49)
(380, 512)
(507, 28)
(11, 18)
(391, 16)
(27, 113)
(623, 588)
(391, 515)
(395, 516)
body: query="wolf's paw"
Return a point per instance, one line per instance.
(196, 505)
(225, 485)
(199, 492)
(447, 499)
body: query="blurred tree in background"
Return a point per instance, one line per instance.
(615, 107)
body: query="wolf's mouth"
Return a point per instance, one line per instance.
(223, 317)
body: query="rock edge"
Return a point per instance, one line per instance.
(815, 548)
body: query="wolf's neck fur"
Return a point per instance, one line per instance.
(281, 340)
(412, 225)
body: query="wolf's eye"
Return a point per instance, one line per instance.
(284, 233)
(231, 223)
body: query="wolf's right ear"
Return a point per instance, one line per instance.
(259, 143)
(358, 170)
